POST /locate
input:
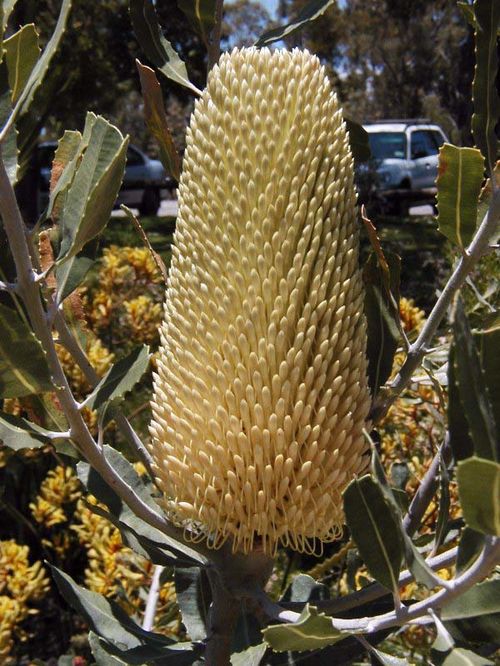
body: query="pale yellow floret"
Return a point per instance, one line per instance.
(260, 396)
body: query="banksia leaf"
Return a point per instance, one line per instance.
(261, 393)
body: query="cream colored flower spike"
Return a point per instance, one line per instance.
(261, 393)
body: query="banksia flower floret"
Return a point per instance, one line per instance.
(261, 393)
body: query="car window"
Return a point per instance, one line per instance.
(134, 158)
(422, 144)
(437, 138)
(387, 145)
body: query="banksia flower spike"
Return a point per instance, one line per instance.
(261, 394)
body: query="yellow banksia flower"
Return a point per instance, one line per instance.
(260, 396)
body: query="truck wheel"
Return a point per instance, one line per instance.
(150, 202)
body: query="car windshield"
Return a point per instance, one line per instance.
(386, 145)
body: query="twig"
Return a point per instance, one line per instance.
(8, 286)
(152, 600)
(486, 561)
(426, 489)
(489, 226)
(71, 344)
(375, 590)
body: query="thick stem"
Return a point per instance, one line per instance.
(213, 46)
(478, 247)
(222, 620)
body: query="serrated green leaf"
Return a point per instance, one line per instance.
(201, 15)
(95, 186)
(23, 366)
(460, 175)
(156, 119)
(41, 68)
(374, 529)
(472, 387)
(21, 53)
(96, 486)
(9, 144)
(18, 433)
(481, 509)
(71, 273)
(484, 88)
(381, 299)
(120, 378)
(252, 656)
(311, 11)
(7, 9)
(68, 153)
(482, 599)
(194, 597)
(358, 141)
(312, 631)
(155, 46)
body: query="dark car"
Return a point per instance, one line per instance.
(143, 183)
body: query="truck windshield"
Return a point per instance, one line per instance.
(386, 145)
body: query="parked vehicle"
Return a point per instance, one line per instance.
(404, 162)
(143, 182)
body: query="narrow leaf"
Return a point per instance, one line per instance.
(482, 599)
(484, 87)
(194, 597)
(41, 68)
(68, 153)
(104, 616)
(311, 11)
(156, 119)
(473, 390)
(252, 656)
(460, 439)
(388, 659)
(469, 548)
(104, 493)
(463, 657)
(358, 141)
(416, 563)
(481, 509)
(23, 366)
(7, 9)
(381, 296)
(18, 433)
(120, 378)
(21, 53)
(444, 504)
(71, 273)
(460, 175)
(95, 186)
(9, 144)
(174, 654)
(374, 530)
(312, 631)
(201, 15)
(155, 46)
(488, 344)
